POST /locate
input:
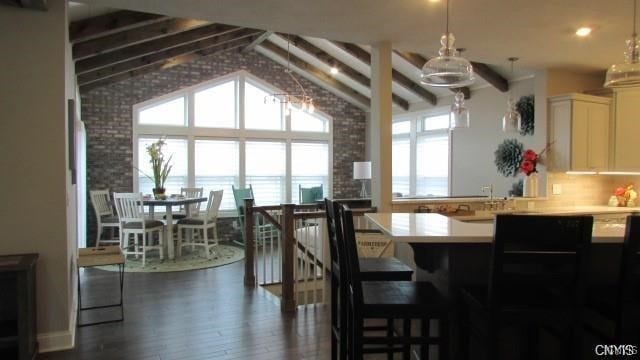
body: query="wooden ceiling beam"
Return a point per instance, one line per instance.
(317, 73)
(178, 60)
(110, 23)
(257, 41)
(27, 4)
(122, 39)
(345, 69)
(150, 47)
(491, 76)
(143, 61)
(364, 56)
(418, 61)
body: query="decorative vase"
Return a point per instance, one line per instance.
(158, 193)
(530, 186)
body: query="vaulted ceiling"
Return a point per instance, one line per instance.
(119, 44)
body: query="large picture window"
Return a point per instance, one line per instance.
(421, 155)
(223, 133)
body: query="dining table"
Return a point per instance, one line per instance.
(168, 204)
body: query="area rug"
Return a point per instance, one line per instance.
(190, 260)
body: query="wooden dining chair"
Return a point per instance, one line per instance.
(194, 209)
(201, 223)
(131, 215)
(391, 300)
(537, 280)
(105, 218)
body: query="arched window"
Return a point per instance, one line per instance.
(228, 132)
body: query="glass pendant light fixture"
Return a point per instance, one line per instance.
(447, 69)
(628, 73)
(511, 121)
(459, 115)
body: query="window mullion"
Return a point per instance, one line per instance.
(413, 149)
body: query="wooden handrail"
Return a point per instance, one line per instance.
(269, 218)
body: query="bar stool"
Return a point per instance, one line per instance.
(619, 305)
(537, 280)
(391, 300)
(372, 269)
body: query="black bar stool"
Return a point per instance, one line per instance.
(372, 269)
(537, 280)
(391, 300)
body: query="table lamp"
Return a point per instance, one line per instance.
(362, 172)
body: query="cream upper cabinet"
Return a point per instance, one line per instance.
(626, 130)
(579, 128)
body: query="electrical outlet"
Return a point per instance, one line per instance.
(556, 189)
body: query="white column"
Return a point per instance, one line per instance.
(380, 125)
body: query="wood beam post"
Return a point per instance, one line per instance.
(257, 41)
(110, 23)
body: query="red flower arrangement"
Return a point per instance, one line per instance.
(530, 160)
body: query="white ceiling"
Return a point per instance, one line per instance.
(540, 32)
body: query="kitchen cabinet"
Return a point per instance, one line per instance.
(579, 129)
(626, 130)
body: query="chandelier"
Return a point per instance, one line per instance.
(300, 98)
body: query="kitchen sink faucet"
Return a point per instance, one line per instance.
(489, 188)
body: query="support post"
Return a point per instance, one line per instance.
(249, 245)
(288, 302)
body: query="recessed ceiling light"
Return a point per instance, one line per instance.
(583, 31)
(334, 70)
(434, 1)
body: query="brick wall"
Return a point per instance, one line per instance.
(107, 114)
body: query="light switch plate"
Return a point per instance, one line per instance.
(556, 189)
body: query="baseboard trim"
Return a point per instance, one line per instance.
(61, 340)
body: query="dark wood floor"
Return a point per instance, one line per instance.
(201, 314)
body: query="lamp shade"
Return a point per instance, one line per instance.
(362, 170)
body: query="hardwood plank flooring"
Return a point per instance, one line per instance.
(193, 315)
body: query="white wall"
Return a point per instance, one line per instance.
(36, 188)
(472, 149)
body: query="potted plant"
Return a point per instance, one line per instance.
(159, 166)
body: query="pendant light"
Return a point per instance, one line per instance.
(459, 115)
(628, 73)
(447, 69)
(511, 121)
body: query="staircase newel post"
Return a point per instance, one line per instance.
(250, 245)
(288, 303)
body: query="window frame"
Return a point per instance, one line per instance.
(416, 120)
(191, 133)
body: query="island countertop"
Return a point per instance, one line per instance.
(439, 229)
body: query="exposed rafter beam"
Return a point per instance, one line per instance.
(122, 39)
(150, 47)
(257, 42)
(168, 63)
(364, 56)
(108, 24)
(418, 61)
(27, 4)
(491, 76)
(317, 73)
(164, 55)
(345, 69)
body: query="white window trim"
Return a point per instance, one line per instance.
(240, 134)
(415, 119)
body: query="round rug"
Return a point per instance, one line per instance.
(190, 260)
